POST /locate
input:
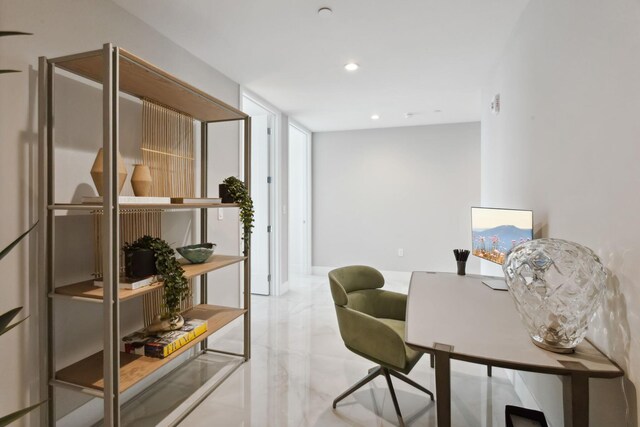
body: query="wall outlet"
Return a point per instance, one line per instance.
(400, 252)
(220, 214)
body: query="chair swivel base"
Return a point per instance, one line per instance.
(387, 373)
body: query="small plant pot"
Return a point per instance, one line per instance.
(139, 263)
(223, 193)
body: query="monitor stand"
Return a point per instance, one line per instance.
(496, 284)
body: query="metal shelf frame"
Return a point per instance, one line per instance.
(111, 61)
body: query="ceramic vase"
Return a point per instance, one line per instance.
(165, 325)
(97, 173)
(557, 286)
(141, 180)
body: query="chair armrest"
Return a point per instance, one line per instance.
(370, 337)
(390, 305)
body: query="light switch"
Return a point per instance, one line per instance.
(220, 214)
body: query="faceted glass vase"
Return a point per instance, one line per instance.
(557, 286)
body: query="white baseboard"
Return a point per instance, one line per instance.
(283, 288)
(320, 271)
(86, 415)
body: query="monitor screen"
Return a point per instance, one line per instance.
(495, 231)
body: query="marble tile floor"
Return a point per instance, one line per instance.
(299, 365)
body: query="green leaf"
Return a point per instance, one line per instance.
(9, 71)
(6, 250)
(8, 419)
(7, 317)
(14, 33)
(5, 330)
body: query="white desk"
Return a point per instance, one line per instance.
(457, 317)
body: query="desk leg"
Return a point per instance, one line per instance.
(575, 394)
(443, 384)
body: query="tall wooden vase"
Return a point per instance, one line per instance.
(141, 180)
(97, 173)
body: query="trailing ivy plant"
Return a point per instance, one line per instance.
(176, 287)
(240, 195)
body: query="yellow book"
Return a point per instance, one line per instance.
(167, 343)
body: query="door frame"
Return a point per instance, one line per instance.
(274, 192)
(309, 164)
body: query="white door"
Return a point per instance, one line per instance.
(260, 239)
(299, 202)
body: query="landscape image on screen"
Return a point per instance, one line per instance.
(495, 231)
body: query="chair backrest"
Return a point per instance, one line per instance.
(345, 280)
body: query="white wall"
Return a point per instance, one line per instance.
(566, 146)
(63, 27)
(378, 190)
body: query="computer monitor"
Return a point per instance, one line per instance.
(495, 231)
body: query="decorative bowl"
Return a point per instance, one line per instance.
(197, 254)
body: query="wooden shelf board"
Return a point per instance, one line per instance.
(134, 368)
(124, 206)
(86, 289)
(144, 80)
(214, 263)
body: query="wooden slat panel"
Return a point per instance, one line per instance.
(168, 150)
(87, 290)
(144, 80)
(134, 368)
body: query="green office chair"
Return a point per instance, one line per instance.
(371, 323)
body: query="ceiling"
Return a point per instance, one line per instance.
(415, 56)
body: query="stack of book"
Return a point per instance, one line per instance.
(163, 344)
(129, 283)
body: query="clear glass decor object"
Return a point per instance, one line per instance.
(557, 286)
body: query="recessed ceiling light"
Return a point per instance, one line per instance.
(375, 117)
(437, 111)
(325, 11)
(351, 66)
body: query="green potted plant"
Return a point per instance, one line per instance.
(12, 33)
(6, 326)
(239, 194)
(176, 287)
(6, 318)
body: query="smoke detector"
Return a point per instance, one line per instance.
(325, 11)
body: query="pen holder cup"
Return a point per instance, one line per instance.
(462, 265)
